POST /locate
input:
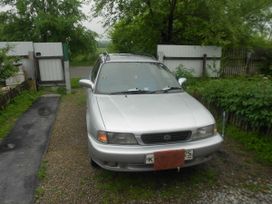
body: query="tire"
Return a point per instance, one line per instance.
(93, 163)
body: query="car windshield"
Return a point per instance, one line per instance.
(135, 77)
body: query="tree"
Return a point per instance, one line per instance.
(213, 22)
(7, 67)
(47, 21)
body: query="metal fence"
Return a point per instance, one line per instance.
(7, 96)
(240, 61)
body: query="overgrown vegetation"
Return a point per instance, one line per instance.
(75, 83)
(259, 144)
(19, 105)
(248, 101)
(7, 67)
(183, 72)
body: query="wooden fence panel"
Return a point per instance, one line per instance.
(6, 97)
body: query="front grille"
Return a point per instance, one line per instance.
(166, 137)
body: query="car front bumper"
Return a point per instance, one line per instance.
(132, 158)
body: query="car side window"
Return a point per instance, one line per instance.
(95, 70)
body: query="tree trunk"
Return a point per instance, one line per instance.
(170, 23)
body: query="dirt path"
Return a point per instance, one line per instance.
(231, 177)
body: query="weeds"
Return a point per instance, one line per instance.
(147, 186)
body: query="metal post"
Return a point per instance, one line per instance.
(223, 123)
(204, 65)
(66, 68)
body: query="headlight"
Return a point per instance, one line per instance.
(116, 138)
(204, 132)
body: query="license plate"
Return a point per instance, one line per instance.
(188, 155)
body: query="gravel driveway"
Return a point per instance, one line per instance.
(231, 177)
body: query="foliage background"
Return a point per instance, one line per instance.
(7, 67)
(138, 26)
(47, 21)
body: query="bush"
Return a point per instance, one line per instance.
(250, 99)
(7, 68)
(182, 72)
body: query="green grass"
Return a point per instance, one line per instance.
(39, 193)
(259, 144)
(53, 89)
(256, 187)
(42, 171)
(19, 105)
(149, 186)
(74, 83)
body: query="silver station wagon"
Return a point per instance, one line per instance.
(140, 119)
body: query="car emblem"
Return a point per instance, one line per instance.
(167, 137)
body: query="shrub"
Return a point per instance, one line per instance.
(249, 99)
(7, 68)
(184, 72)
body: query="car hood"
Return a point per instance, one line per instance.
(152, 112)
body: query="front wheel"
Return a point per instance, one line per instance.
(93, 163)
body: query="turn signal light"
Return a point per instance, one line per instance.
(102, 137)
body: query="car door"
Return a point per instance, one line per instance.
(90, 95)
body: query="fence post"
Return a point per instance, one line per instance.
(204, 65)
(66, 67)
(248, 57)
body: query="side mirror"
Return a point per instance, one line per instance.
(86, 83)
(181, 81)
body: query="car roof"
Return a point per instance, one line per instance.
(126, 57)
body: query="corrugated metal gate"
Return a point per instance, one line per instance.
(49, 58)
(50, 70)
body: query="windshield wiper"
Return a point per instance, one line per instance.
(169, 88)
(133, 91)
